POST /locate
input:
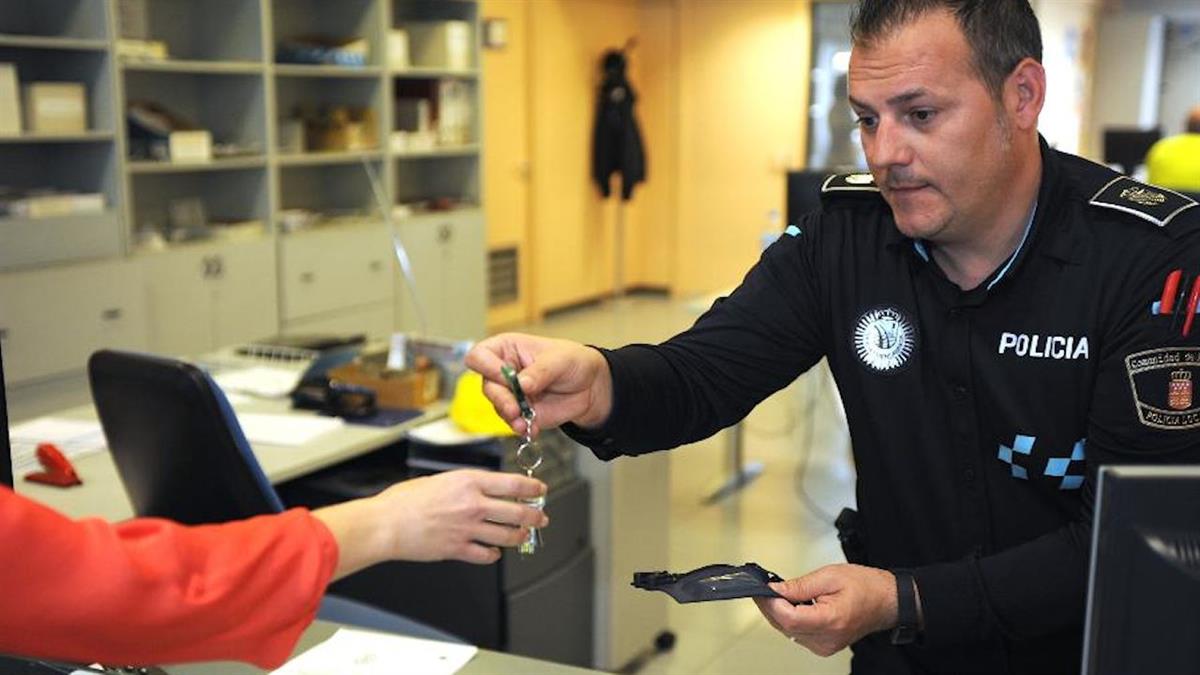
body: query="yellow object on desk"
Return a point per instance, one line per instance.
(471, 410)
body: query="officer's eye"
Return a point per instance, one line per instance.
(867, 121)
(923, 116)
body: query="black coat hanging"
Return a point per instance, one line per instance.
(616, 141)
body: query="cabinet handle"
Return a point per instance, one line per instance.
(375, 265)
(212, 266)
(218, 267)
(308, 277)
(111, 314)
(3, 333)
(445, 232)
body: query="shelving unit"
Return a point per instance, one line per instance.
(223, 73)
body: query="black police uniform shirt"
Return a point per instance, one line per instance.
(978, 418)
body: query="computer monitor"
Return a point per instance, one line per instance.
(1129, 147)
(1143, 607)
(804, 193)
(6, 475)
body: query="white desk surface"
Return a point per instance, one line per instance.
(102, 494)
(486, 662)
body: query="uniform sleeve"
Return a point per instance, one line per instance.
(151, 591)
(1039, 588)
(746, 347)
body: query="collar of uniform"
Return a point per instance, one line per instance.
(1056, 238)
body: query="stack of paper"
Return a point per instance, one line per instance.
(286, 429)
(263, 381)
(75, 438)
(354, 652)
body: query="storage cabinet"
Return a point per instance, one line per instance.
(51, 320)
(207, 296)
(223, 71)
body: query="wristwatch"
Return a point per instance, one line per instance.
(907, 619)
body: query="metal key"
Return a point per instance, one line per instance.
(529, 455)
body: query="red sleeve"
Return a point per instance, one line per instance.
(152, 591)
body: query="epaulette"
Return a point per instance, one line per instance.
(860, 184)
(1148, 202)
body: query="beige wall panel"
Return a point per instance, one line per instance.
(742, 116)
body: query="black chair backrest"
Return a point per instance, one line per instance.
(176, 442)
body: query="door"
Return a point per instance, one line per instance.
(506, 165)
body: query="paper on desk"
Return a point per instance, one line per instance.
(75, 438)
(263, 381)
(354, 652)
(445, 432)
(286, 429)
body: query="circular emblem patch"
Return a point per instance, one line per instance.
(884, 339)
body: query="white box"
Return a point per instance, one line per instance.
(57, 205)
(441, 44)
(397, 50)
(56, 107)
(10, 100)
(190, 146)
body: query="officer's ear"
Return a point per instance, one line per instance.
(1025, 93)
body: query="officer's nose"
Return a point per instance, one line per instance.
(888, 147)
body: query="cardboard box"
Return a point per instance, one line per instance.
(414, 388)
(56, 107)
(10, 100)
(441, 44)
(397, 50)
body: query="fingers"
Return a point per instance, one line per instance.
(509, 485)
(478, 554)
(514, 514)
(499, 535)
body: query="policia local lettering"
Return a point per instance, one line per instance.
(1059, 347)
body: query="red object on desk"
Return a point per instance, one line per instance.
(58, 469)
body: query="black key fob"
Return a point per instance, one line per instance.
(711, 582)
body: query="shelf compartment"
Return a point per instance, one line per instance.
(339, 189)
(343, 19)
(193, 66)
(228, 196)
(83, 19)
(453, 177)
(232, 107)
(219, 164)
(90, 68)
(85, 167)
(36, 241)
(212, 30)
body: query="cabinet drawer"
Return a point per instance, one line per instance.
(34, 241)
(328, 270)
(51, 320)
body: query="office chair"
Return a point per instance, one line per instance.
(181, 454)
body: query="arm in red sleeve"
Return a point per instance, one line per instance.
(152, 591)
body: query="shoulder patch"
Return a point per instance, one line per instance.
(1148, 202)
(849, 182)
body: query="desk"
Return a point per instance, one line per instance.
(102, 494)
(486, 662)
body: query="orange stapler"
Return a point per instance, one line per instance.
(58, 469)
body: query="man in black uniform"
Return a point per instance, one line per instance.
(1001, 319)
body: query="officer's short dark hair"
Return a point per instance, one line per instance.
(1001, 33)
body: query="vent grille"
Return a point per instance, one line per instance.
(503, 265)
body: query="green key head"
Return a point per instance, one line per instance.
(510, 374)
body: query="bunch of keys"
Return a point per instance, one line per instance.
(529, 455)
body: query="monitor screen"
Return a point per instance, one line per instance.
(1143, 607)
(1129, 147)
(6, 476)
(804, 193)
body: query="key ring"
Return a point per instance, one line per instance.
(529, 455)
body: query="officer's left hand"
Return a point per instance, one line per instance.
(849, 601)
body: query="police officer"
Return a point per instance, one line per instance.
(1000, 318)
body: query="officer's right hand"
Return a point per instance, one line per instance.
(565, 381)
